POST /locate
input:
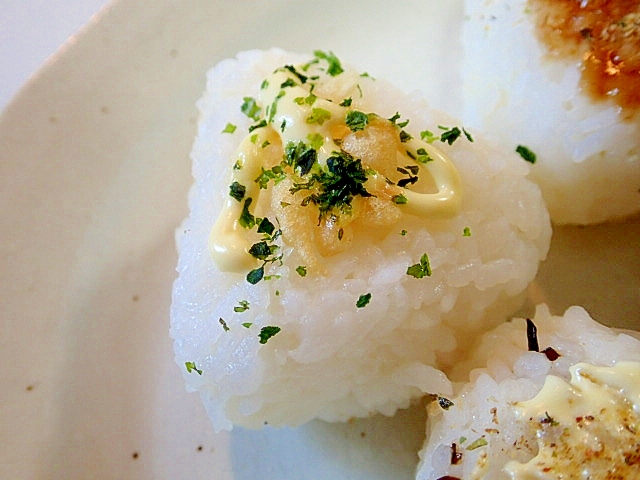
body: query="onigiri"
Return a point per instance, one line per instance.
(344, 242)
(559, 81)
(548, 398)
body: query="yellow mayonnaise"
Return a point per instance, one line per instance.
(291, 120)
(586, 429)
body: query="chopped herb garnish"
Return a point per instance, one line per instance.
(337, 185)
(403, 232)
(403, 182)
(303, 78)
(265, 226)
(273, 108)
(301, 156)
(346, 102)
(246, 324)
(309, 100)
(411, 171)
(267, 332)
(237, 191)
(394, 119)
(191, 367)
(466, 232)
(238, 165)
(468, 135)
(356, 120)
(229, 128)
(265, 144)
(289, 82)
(399, 199)
(262, 123)
(532, 337)
(526, 153)
(404, 136)
(283, 125)
(450, 135)
(335, 68)
(363, 300)
(423, 156)
(428, 136)
(315, 140)
(276, 174)
(250, 108)
(242, 306)
(301, 270)
(247, 220)
(422, 269)
(264, 85)
(225, 327)
(480, 442)
(262, 250)
(319, 116)
(340, 233)
(255, 275)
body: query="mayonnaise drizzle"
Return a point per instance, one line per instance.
(228, 240)
(588, 428)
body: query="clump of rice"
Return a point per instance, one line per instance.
(588, 157)
(331, 359)
(503, 372)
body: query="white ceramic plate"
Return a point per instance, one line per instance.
(94, 173)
